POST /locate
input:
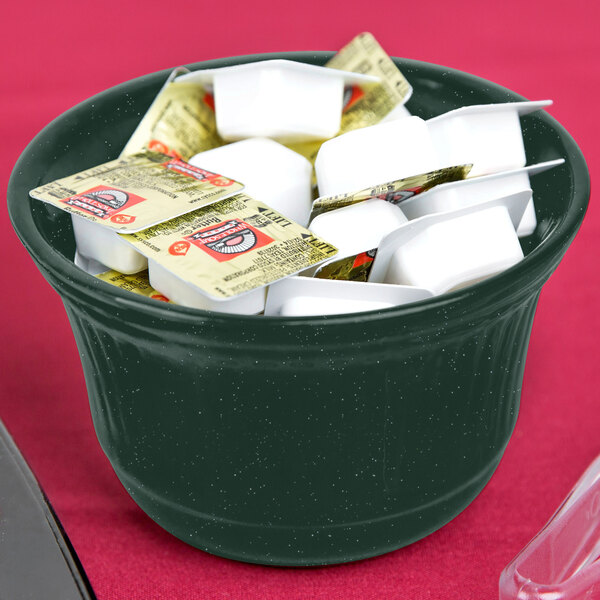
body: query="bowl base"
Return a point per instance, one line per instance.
(280, 545)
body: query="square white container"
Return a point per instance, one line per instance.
(488, 136)
(282, 99)
(270, 172)
(304, 296)
(89, 265)
(185, 294)
(372, 155)
(446, 251)
(475, 190)
(106, 246)
(528, 222)
(358, 227)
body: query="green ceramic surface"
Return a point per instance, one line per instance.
(300, 441)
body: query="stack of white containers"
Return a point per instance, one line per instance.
(443, 239)
(464, 231)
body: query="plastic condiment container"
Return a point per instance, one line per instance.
(282, 99)
(372, 155)
(185, 294)
(475, 190)
(562, 562)
(451, 250)
(89, 265)
(488, 136)
(306, 296)
(105, 246)
(359, 227)
(269, 171)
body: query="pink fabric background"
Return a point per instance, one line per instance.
(56, 54)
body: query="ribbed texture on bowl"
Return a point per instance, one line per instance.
(358, 451)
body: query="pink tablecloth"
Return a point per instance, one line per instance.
(55, 54)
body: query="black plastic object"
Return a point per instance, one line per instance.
(36, 558)
(307, 440)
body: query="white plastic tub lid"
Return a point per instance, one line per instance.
(492, 179)
(206, 76)
(522, 108)
(346, 292)
(515, 204)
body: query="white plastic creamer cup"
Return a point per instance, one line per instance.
(282, 99)
(89, 265)
(372, 155)
(270, 172)
(104, 245)
(451, 250)
(488, 136)
(475, 190)
(185, 294)
(358, 227)
(528, 223)
(304, 296)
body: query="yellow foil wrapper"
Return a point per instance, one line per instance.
(368, 106)
(134, 192)
(395, 191)
(137, 283)
(180, 121)
(232, 247)
(350, 268)
(357, 267)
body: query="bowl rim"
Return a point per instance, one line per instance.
(536, 266)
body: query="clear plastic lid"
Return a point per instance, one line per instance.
(563, 560)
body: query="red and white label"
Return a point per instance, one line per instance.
(180, 166)
(229, 239)
(103, 202)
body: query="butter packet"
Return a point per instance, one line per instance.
(231, 247)
(134, 192)
(364, 55)
(349, 268)
(180, 121)
(358, 267)
(395, 191)
(366, 105)
(138, 283)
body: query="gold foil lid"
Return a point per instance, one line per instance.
(232, 247)
(134, 192)
(395, 191)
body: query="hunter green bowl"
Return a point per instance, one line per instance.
(300, 441)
